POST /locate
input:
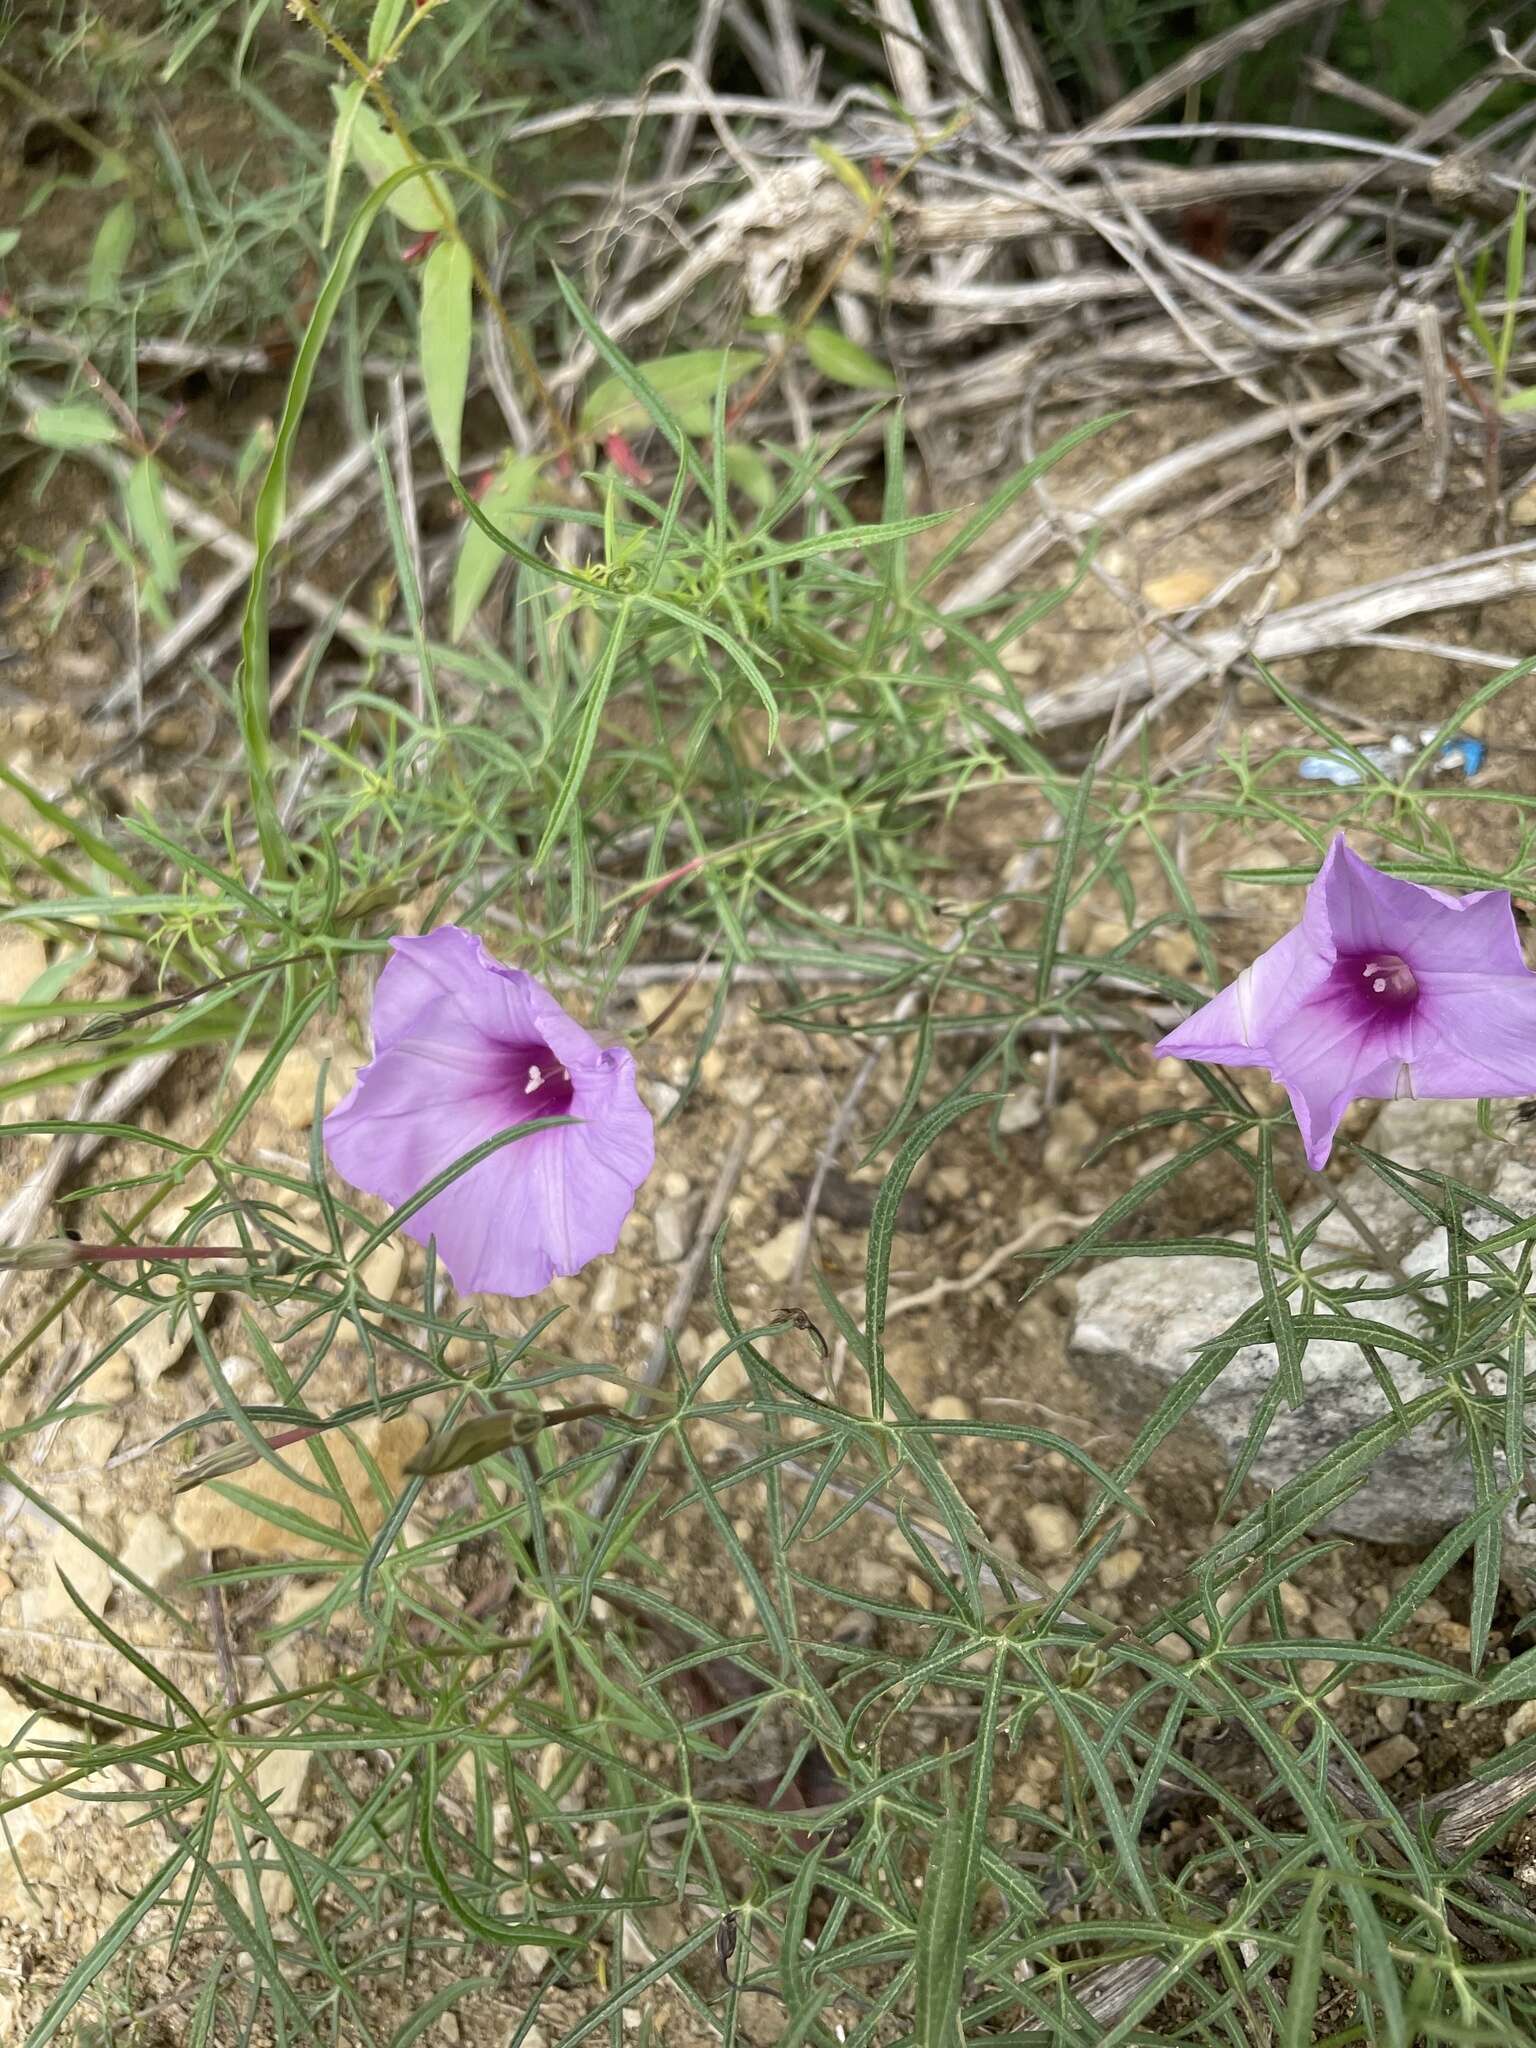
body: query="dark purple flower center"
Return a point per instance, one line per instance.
(536, 1081)
(1385, 980)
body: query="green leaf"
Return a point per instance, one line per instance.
(1061, 880)
(382, 28)
(423, 203)
(949, 1890)
(144, 501)
(76, 423)
(9, 237)
(253, 675)
(749, 472)
(509, 504)
(1518, 401)
(473, 1442)
(1306, 1970)
(882, 1228)
(845, 362)
(109, 252)
(447, 328)
(846, 172)
(686, 384)
(348, 100)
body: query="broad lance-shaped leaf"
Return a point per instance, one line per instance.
(749, 472)
(144, 500)
(109, 253)
(845, 362)
(685, 384)
(76, 423)
(422, 203)
(447, 326)
(508, 506)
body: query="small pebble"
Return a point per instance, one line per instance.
(1052, 1531)
(949, 1408)
(1295, 1606)
(670, 1224)
(1021, 1112)
(1385, 1759)
(775, 1260)
(1120, 1567)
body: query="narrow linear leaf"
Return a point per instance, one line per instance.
(949, 1889)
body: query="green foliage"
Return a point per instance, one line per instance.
(722, 710)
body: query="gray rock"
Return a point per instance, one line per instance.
(1140, 1323)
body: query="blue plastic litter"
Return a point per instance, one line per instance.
(1460, 756)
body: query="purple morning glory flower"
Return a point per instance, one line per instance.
(464, 1048)
(1385, 988)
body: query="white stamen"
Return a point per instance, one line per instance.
(1245, 1004)
(1370, 966)
(1379, 983)
(535, 1077)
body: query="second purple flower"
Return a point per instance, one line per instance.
(1385, 988)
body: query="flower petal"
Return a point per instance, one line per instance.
(1475, 1035)
(1354, 908)
(1324, 1060)
(428, 1099)
(1234, 1026)
(444, 962)
(550, 1203)
(542, 1205)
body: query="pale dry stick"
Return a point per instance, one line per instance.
(1030, 87)
(613, 1474)
(756, 43)
(1018, 299)
(22, 1214)
(1440, 650)
(1437, 417)
(1162, 291)
(1191, 69)
(1340, 86)
(1135, 493)
(1309, 241)
(410, 517)
(161, 352)
(202, 615)
(750, 106)
(937, 1290)
(1304, 629)
(796, 73)
(701, 54)
(1000, 213)
(904, 57)
(1032, 91)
